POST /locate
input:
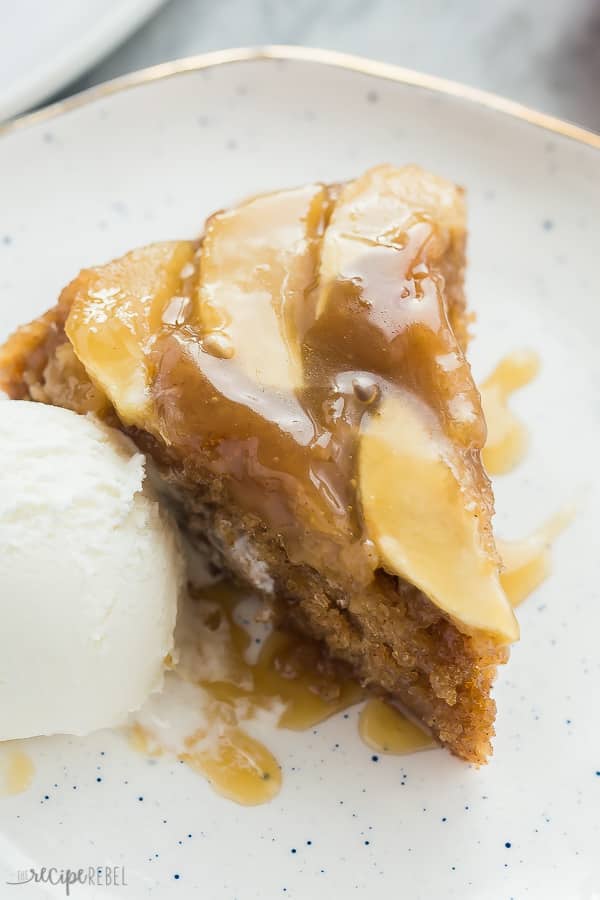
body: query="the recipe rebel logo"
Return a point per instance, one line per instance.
(91, 876)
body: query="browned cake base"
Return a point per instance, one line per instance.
(398, 643)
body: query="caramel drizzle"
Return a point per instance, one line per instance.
(387, 730)
(527, 563)
(290, 680)
(507, 436)
(16, 770)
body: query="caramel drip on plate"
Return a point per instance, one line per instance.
(241, 768)
(387, 730)
(507, 437)
(16, 771)
(290, 669)
(528, 562)
(236, 765)
(289, 681)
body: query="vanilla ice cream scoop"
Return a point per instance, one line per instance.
(90, 572)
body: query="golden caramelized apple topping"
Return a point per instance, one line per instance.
(412, 485)
(118, 311)
(258, 262)
(303, 355)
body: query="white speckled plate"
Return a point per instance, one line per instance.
(147, 159)
(44, 45)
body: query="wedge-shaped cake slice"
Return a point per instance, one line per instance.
(298, 377)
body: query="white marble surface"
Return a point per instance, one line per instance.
(545, 53)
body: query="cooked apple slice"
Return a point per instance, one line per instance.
(423, 524)
(389, 253)
(390, 208)
(258, 261)
(116, 311)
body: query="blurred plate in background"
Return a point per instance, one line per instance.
(44, 46)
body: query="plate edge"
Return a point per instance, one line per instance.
(331, 58)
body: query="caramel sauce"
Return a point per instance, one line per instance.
(236, 765)
(293, 670)
(16, 771)
(528, 562)
(288, 668)
(289, 681)
(387, 730)
(241, 768)
(507, 437)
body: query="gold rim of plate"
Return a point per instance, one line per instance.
(275, 52)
